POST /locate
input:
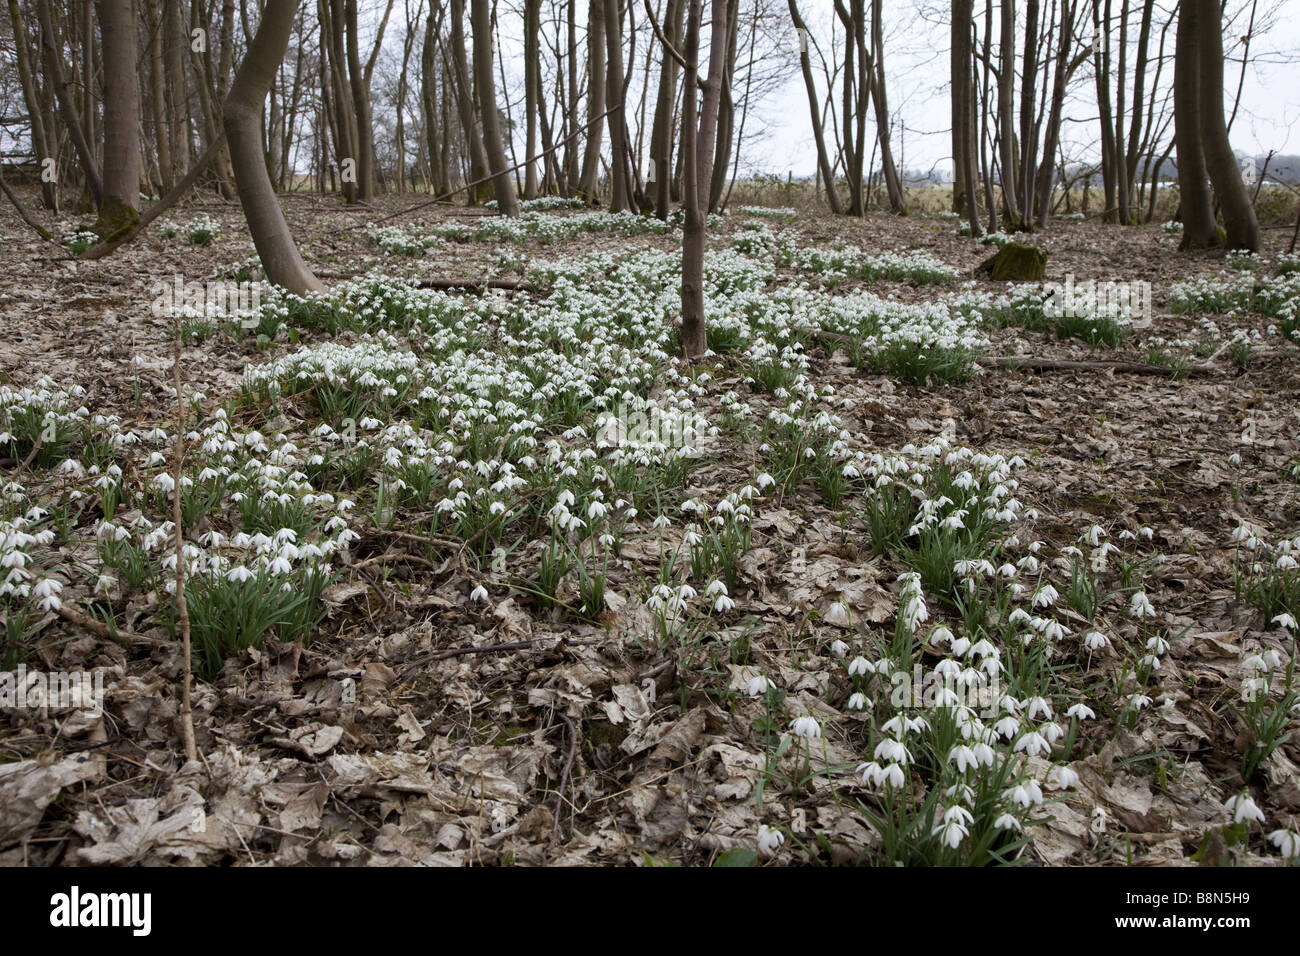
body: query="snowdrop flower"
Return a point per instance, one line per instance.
(1287, 841)
(860, 667)
(47, 590)
(758, 686)
(1007, 821)
(892, 750)
(838, 614)
(940, 634)
(769, 840)
(239, 574)
(806, 727)
(1045, 596)
(1062, 778)
(857, 701)
(1027, 794)
(480, 593)
(1081, 711)
(1033, 744)
(951, 833)
(1287, 621)
(1140, 606)
(1242, 808)
(1095, 640)
(839, 648)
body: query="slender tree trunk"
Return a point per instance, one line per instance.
(532, 89)
(694, 337)
(621, 198)
(118, 210)
(243, 121)
(43, 144)
(1197, 209)
(1239, 221)
(819, 136)
(71, 116)
(595, 99)
(893, 184)
(481, 23)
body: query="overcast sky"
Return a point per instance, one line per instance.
(916, 55)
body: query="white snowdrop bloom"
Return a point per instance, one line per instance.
(1062, 778)
(715, 587)
(1139, 701)
(769, 840)
(963, 757)
(892, 750)
(1095, 640)
(1036, 707)
(1140, 606)
(1054, 630)
(951, 833)
(281, 566)
(860, 667)
(806, 727)
(1007, 821)
(723, 604)
(1242, 807)
(838, 614)
(1081, 711)
(857, 701)
(1019, 616)
(839, 648)
(480, 593)
(940, 635)
(47, 592)
(1287, 842)
(1028, 794)
(1033, 744)
(1287, 621)
(758, 686)
(1045, 596)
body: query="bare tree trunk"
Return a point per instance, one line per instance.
(175, 42)
(810, 85)
(43, 142)
(965, 187)
(621, 198)
(243, 121)
(661, 137)
(893, 184)
(118, 209)
(694, 337)
(71, 117)
(478, 162)
(1196, 207)
(595, 99)
(1009, 162)
(1239, 221)
(711, 101)
(498, 168)
(532, 88)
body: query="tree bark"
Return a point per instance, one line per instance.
(243, 121)
(118, 210)
(1239, 221)
(498, 168)
(1199, 228)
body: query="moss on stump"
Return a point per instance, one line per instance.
(1015, 262)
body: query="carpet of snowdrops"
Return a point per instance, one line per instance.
(494, 577)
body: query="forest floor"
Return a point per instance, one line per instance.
(496, 635)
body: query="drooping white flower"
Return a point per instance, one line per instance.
(1242, 807)
(769, 840)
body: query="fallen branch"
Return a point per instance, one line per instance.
(26, 217)
(101, 249)
(469, 285)
(120, 635)
(564, 778)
